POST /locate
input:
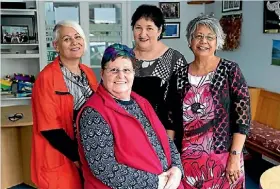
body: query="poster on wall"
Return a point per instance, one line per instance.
(172, 30)
(275, 60)
(170, 10)
(228, 6)
(271, 17)
(231, 25)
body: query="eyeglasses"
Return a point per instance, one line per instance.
(15, 117)
(207, 37)
(116, 71)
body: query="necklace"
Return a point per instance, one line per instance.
(77, 73)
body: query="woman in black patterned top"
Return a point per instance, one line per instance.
(155, 61)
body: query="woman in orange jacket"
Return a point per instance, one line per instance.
(60, 90)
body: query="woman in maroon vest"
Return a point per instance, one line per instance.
(122, 143)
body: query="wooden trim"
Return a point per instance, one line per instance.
(11, 156)
(262, 150)
(254, 98)
(268, 109)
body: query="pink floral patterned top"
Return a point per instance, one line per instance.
(229, 100)
(198, 107)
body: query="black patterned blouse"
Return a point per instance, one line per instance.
(231, 104)
(98, 143)
(152, 79)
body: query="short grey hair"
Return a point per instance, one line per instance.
(212, 23)
(68, 23)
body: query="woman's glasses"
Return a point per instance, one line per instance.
(15, 117)
(116, 71)
(200, 37)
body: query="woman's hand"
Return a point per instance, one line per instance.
(162, 179)
(174, 178)
(233, 168)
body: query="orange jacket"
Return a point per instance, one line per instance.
(52, 108)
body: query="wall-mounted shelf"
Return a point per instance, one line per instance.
(17, 11)
(19, 44)
(20, 56)
(14, 98)
(12, 101)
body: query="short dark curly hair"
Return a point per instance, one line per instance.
(151, 12)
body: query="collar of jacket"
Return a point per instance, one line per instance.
(59, 83)
(110, 102)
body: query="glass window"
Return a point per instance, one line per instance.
(105, 29)
(55, 12)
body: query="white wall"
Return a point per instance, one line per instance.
(187, 13)
(254, 54)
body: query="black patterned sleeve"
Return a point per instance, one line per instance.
(98, 144)
(240, 102)
(171, 89)
(175, 157)
(180, 62)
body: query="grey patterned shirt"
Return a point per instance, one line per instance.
(78, 87)
(98, 143)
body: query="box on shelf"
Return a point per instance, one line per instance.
(18, 86)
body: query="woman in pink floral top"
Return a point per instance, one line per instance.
(209, 108)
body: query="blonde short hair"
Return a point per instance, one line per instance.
(68, 23)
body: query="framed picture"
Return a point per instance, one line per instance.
(271, 17)
(228, 6)
(172, 30)
(25, 20)
(275, 53)
(170, 10)
(14, 34)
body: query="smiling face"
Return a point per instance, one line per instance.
(70, 44)
(145, 33)
(204, 41)
(118, 78)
